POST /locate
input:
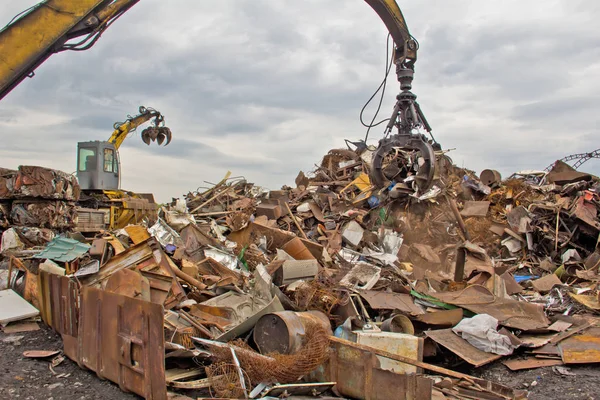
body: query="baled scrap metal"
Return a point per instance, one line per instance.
(5, 207)
(38, 182)
(54, 214)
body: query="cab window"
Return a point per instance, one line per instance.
(109, 160)
(87, 159)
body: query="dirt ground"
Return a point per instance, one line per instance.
(29, 379)
(583, 385)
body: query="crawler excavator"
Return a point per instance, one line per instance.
(103, 205)
(54, 26)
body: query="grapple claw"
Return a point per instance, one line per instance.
(168, 135)
(156, 134)
(406, 143)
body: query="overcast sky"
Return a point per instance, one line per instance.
(265, 88)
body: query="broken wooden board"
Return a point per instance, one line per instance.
(15, 308)
(581, 349)
(530, 363)
(462, 348)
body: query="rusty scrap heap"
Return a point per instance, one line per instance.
(333, 286)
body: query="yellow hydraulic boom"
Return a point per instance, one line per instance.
(49, 27)
(158, 132)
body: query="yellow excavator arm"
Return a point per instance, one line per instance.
(157, 132)
(50, 27)
(405, 53)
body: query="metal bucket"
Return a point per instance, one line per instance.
(283, 332)
(398, 324)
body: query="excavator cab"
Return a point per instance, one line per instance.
(98, 165)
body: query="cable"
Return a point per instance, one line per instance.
(382, 86)
(19, 15)
(94, 36)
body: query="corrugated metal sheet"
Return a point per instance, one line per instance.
(63, 250)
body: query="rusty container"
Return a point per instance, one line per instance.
(297, 249)
(398, 324)
(490, 177)
(284, 331)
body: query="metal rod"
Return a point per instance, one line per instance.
(295, 221)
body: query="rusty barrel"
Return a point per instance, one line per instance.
(284, 331)
(490, 177)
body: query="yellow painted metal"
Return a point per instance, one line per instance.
(129, 209)
(43, 29)
(119, 134)
(23, 42)
(115, 8)
(392, 17)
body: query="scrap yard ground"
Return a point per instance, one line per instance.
(27, 379)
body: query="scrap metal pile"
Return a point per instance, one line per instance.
(331, 286)
(37, 197)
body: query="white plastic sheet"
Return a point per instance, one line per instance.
(480, 331)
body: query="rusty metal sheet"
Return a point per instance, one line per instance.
(391, 301)
(447, 318)
(131, 257)
(59, 303)
(122, 340)
(137, 233)
(40, 353)
(358, 375)
(146, 257)
(547, 350)
(59, 307)
(462, 348)
(546, 283)
(581, 349)
(475, 209)
(129, 283)
(509, 312)
(530, 363)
